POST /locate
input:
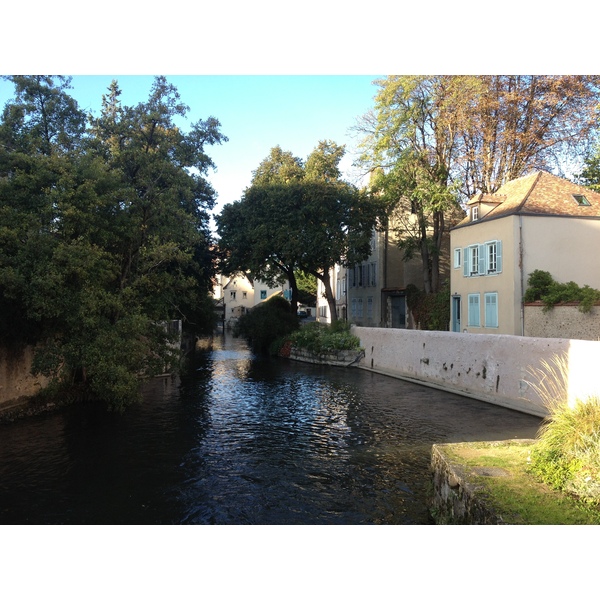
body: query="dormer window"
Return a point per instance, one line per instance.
(581, 200)
(475, 213)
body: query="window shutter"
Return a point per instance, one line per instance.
(499, 257)
(482, 258)
(466, 261)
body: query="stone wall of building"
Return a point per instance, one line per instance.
(563, 321)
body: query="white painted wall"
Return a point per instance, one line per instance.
(495, 368)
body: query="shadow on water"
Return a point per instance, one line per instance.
(242, 439)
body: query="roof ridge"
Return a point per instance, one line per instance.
(534, 183)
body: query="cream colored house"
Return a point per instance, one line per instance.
(238, 294)
(539, 221)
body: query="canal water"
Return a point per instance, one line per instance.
(243, 439)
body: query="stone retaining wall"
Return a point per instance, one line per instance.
(16, 380)
(339, 358)
(455, 499)
(499, 369)
(562, 321)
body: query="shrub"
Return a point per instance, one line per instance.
(267, 322)
(543, 288)
(566, 455)
(319, 338)
(430, 311)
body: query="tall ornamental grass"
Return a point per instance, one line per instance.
(566, 454)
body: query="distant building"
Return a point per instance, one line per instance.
(237, 294)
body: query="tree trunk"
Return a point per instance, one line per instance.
(294, 289)
(324, 277)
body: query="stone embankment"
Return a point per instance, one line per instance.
(455, 498)
(337, 358)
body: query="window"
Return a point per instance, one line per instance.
(232, 295)
(472, 264)
(374, 274)
(457, 257)
(491, 309)
(263, 294)
(581, 200)
(475, 213)
(473, 317)
(370, 307)
(244, 295)
(493, 256)
(481, 259)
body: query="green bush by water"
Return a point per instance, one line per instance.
(319, 338)
(266, 323)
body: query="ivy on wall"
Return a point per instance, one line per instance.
(429, 311)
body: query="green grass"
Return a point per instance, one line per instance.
(519, 497)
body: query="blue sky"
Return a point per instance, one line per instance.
(256, 112)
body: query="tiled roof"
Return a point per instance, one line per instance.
(539, 193)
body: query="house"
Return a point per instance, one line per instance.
(238, 294)
(539, 221)
(373, 292)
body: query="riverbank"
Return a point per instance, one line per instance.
(488, 483)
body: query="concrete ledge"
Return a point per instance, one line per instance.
(455, 498)
(495, 368)
(338, 358)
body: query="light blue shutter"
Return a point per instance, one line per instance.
(482, 257)
(499, 257)
(466, 261)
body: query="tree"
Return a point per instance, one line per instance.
(433, 141)
(308, 221)
(516, 123)
(119, 219)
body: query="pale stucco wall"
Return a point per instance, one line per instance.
(500, 369)
(506, 284)
(565, 321)
(569, 249)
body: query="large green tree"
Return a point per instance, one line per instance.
(297, 217)
(106, 231)
(436, 140)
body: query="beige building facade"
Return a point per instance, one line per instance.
(539, 221)
(237, 294)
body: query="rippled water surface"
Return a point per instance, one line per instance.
(244, 440)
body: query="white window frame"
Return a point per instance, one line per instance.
(475, 213)
(493, 257)
(472, 261)
(473, 314)
(232, 295)
(457, 257)
(491, 309)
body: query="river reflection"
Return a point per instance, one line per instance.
(243, 439)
